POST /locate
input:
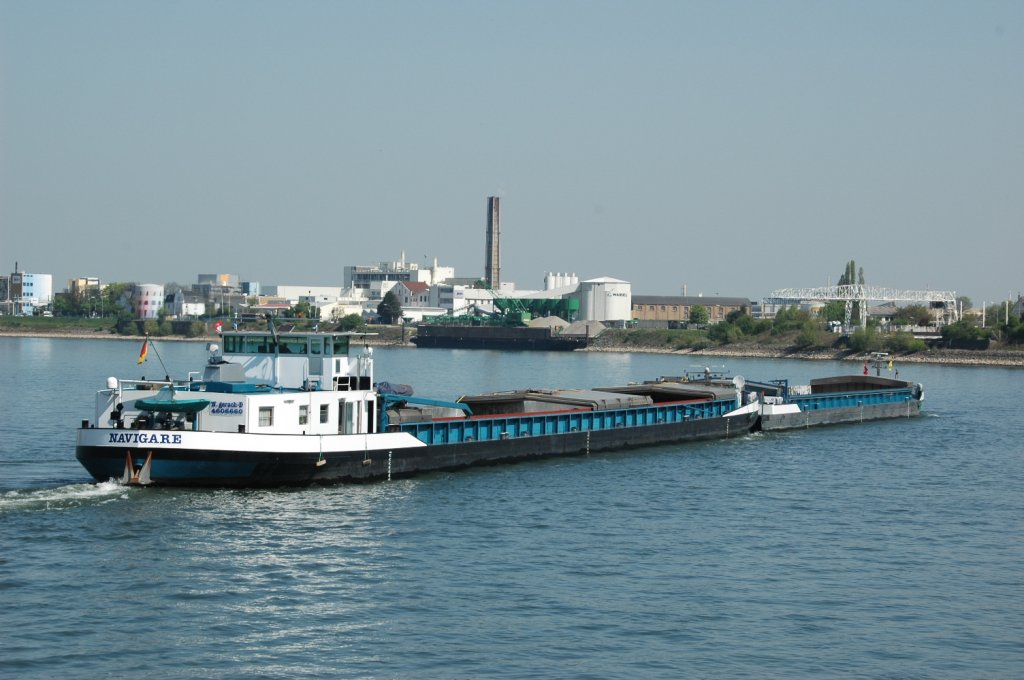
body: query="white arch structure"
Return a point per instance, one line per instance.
(861, 293)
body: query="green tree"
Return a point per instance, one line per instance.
(304, 310)
(912, 315)
(901, 341)
(808, 335)
(117, 298)
(1015, 334)
(350, 322)
(849, 277)
(390, 309)
(865, 340)
(789, 319)
(744, 322)
(995, 314)
(65, 304)
(964, 303)
(724, 332)
(833, 311)
(965, 330)
(699, 314)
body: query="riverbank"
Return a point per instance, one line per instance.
(392, 337)
(955, 357)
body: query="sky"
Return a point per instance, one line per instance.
(731, 148)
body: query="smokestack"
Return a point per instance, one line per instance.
(492, 256)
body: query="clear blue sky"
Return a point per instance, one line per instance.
(734, 147)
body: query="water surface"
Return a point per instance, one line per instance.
(889, 549)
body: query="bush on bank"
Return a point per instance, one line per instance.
(791, 330)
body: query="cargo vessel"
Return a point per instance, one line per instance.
(272, 409)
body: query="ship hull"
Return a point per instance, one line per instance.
(839, 415)
(495, 337)
(207, 459)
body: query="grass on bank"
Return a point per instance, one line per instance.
(43, 324)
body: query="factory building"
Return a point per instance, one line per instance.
(370, 277)
(667, 310)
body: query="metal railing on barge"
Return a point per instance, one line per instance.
(812, 402)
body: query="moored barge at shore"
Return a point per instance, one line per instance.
(544, 338)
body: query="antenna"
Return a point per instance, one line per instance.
(160, 358)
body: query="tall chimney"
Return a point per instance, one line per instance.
(492, 257)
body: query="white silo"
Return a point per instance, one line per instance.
(605, 299)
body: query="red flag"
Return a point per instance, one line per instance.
(145, 350)
(218, 326)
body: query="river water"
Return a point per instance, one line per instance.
(883, 550)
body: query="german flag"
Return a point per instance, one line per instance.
(144, 352)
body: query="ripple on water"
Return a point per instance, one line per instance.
(62, 497)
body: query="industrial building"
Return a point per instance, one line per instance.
(669, 310)
(25, 292)
(366, 277)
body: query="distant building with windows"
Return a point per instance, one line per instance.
(295, 293)
(147, 300)
(185, 305)
(84, 287)
(412, 293)
(215, 286)
(6, 306)
(674, 309)
(28, 292)
(229, 281)
(370, 277)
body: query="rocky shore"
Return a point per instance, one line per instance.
(955, 357)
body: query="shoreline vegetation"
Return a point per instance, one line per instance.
(619, 341)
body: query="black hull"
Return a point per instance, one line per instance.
(186, 467)
(495, 337)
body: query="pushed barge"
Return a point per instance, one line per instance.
(839, 399)
(273, 409)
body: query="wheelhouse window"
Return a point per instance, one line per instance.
(325, 413)
(303, 414)
(266, 416)
(293, 345)
(248, 344)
